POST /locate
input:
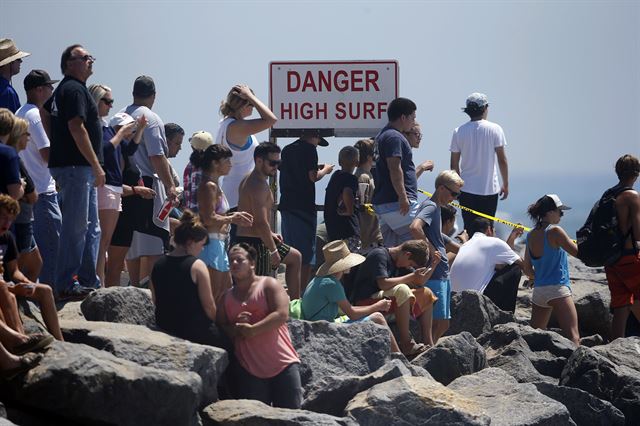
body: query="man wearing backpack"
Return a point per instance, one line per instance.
(623, 276)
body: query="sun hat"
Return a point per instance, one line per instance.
(120, 119)
(477, 100)
(9, 52)
(338, 258)
(37, 78)
(551, 202)
(201, 140)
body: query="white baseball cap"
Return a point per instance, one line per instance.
(479, 100)
(120, 119)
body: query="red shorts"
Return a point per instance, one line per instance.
(624, 280)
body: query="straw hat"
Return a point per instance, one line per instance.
(9, 52)
(338, 258)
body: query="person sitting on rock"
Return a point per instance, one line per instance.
(545, 262)
(379, 277)
(254, 314)
(325, 294)
(181, 288)
(16, 282)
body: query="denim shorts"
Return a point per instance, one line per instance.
(24, 237)
(299, 231)
(442, 290)
(214, 255)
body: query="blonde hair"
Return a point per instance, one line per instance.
(232, 104)
(447, 177)
(98, 91)
(6, 121)
(20, 127)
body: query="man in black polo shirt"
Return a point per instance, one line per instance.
(298, 176)
(71, 119)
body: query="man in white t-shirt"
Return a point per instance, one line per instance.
(477, 152)
(47, 219)
(489, 265)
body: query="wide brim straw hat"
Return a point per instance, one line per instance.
(338, 258)
(9, 52)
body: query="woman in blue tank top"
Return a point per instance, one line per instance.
(545, 262)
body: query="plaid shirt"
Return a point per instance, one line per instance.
(191, 179)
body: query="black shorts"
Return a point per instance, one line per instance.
(263, 262)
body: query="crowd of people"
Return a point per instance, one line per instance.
(82, 193)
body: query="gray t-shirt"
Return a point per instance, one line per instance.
(429, 213)
(154, 141)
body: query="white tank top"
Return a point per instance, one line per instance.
(241, 162)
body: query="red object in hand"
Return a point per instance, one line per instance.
(166, 208)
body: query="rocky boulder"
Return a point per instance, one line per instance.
(592, 372)
(508, 402)
(244, 412)
(90, 386)
(473, 312)
(152, 349)
(624, 351)
(130, 305)
(330, 349)
(331, 394)
(452, 357)
(414, 400)
(585, 409)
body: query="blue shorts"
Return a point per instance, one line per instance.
(442, 290)
(25, 241)
(214, 255)
(299, 231)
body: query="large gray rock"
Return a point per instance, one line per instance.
(413, 401)
(71, 311)
(130, 305)
(625, 351)
(592, 300)
(508, 402)
(528, 354)
(592, 372)
(152, 349)
(585, 409)
(473, 312)
(330, 349)
(244, 412)
(452, 357)
(331, 394)
(91, 386)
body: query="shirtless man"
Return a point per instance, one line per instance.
(256, 198)
(624, 275)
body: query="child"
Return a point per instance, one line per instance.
(370, 234)
(340, 212)
(324, 294)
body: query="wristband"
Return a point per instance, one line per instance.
(271, 253)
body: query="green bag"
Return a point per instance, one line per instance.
(295, 309)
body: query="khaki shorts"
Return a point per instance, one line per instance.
(542, 295)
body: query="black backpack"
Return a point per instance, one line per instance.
(600, 241)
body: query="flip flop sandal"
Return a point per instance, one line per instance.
(35, 342)
(413, 349)
(27, 362)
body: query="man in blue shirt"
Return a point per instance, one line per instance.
(10, 60)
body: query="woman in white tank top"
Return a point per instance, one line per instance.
(236, 132)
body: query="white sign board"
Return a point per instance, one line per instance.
(343, 98)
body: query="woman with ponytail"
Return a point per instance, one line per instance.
(545, 262)
(181, 288)
(213, 208)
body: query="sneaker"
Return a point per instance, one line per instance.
(74, 293)
(34, 342)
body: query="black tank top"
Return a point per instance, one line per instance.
(178, 308)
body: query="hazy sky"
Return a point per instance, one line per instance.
(562, 77)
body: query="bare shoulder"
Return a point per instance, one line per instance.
(628, 196)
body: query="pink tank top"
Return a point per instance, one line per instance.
(266, 354)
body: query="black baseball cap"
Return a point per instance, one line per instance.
(144, 86)
(37, 78)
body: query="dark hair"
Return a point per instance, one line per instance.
(399, 107)
(447, 213)
(190, 229)
(172, 129)
(253, 254)
(264, 149)
(365, 148)
(627, 166)
(419, 251)
(203, 159)
(540, 208)
(480, 224)
(475, 111)
(66, 54)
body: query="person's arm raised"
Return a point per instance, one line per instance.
(239, 130)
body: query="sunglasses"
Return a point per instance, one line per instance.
(274, 163)
(107, 101)
(454, 194)
(84, 58)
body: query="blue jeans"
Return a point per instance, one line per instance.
(47, 224)
(80, 234)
